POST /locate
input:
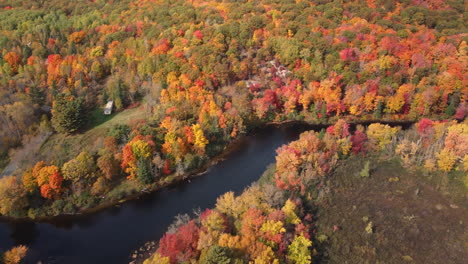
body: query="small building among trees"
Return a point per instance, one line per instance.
(108, 108)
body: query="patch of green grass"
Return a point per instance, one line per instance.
(97, 117)
(60, 148)
(124, 189)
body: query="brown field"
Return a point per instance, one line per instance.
(416, 218)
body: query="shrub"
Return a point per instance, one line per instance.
(120, 132)
(365, 171)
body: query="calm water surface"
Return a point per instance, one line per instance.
(111, 235)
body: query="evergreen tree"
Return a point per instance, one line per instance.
(378, 111)
(144, 172)
(450, 110)
(67, 113)
(217, 255)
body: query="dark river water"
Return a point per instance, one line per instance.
(111, 235)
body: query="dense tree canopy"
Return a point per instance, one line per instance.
(212, 74)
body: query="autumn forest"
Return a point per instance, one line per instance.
(382, 84)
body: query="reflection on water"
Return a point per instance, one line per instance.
(110, 235)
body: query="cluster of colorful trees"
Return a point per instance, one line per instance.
(47, 189)
(362, 58)
(138, 155)
(430, 145)
(251, 228)
(214, 73)
(438, 145)
(376, 71)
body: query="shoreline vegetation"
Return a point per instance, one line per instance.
(305, 193)
(232, 146)
(150, 189)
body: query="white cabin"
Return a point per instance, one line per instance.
(108, 108)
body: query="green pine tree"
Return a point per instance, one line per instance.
(68, 113)
(216, 255)
(379, 110)
(144, 172)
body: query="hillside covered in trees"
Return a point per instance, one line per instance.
(190, 77)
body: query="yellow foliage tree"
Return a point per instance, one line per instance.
(381, 135)
(230, 241)
(212, 227)
(289, 209)
(157, 259)
(44, 173)
(266, 257)
(273, 227)
(141, 149)
(29, 182)
(12, 195)
(446, 159)
(200, 140)
(298, 251)
(15, 255)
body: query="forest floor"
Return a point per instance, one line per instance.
(59, 148)
(393, 216)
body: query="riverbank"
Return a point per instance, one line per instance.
(162, 183)
(173, 179)
(111, 234)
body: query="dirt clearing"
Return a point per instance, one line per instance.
(393, 216)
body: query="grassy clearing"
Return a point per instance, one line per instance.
(61, 148)
(123, 190)
(393, 216)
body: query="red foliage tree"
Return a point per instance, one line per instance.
(53, 61)
(425, 127)
(52, 189)
(357, 141)
(348, 54)
(162, 47)
(14, 60)
(181, 246)
(167, 167)
(461, 112)
(46, 191)
(198, 34)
